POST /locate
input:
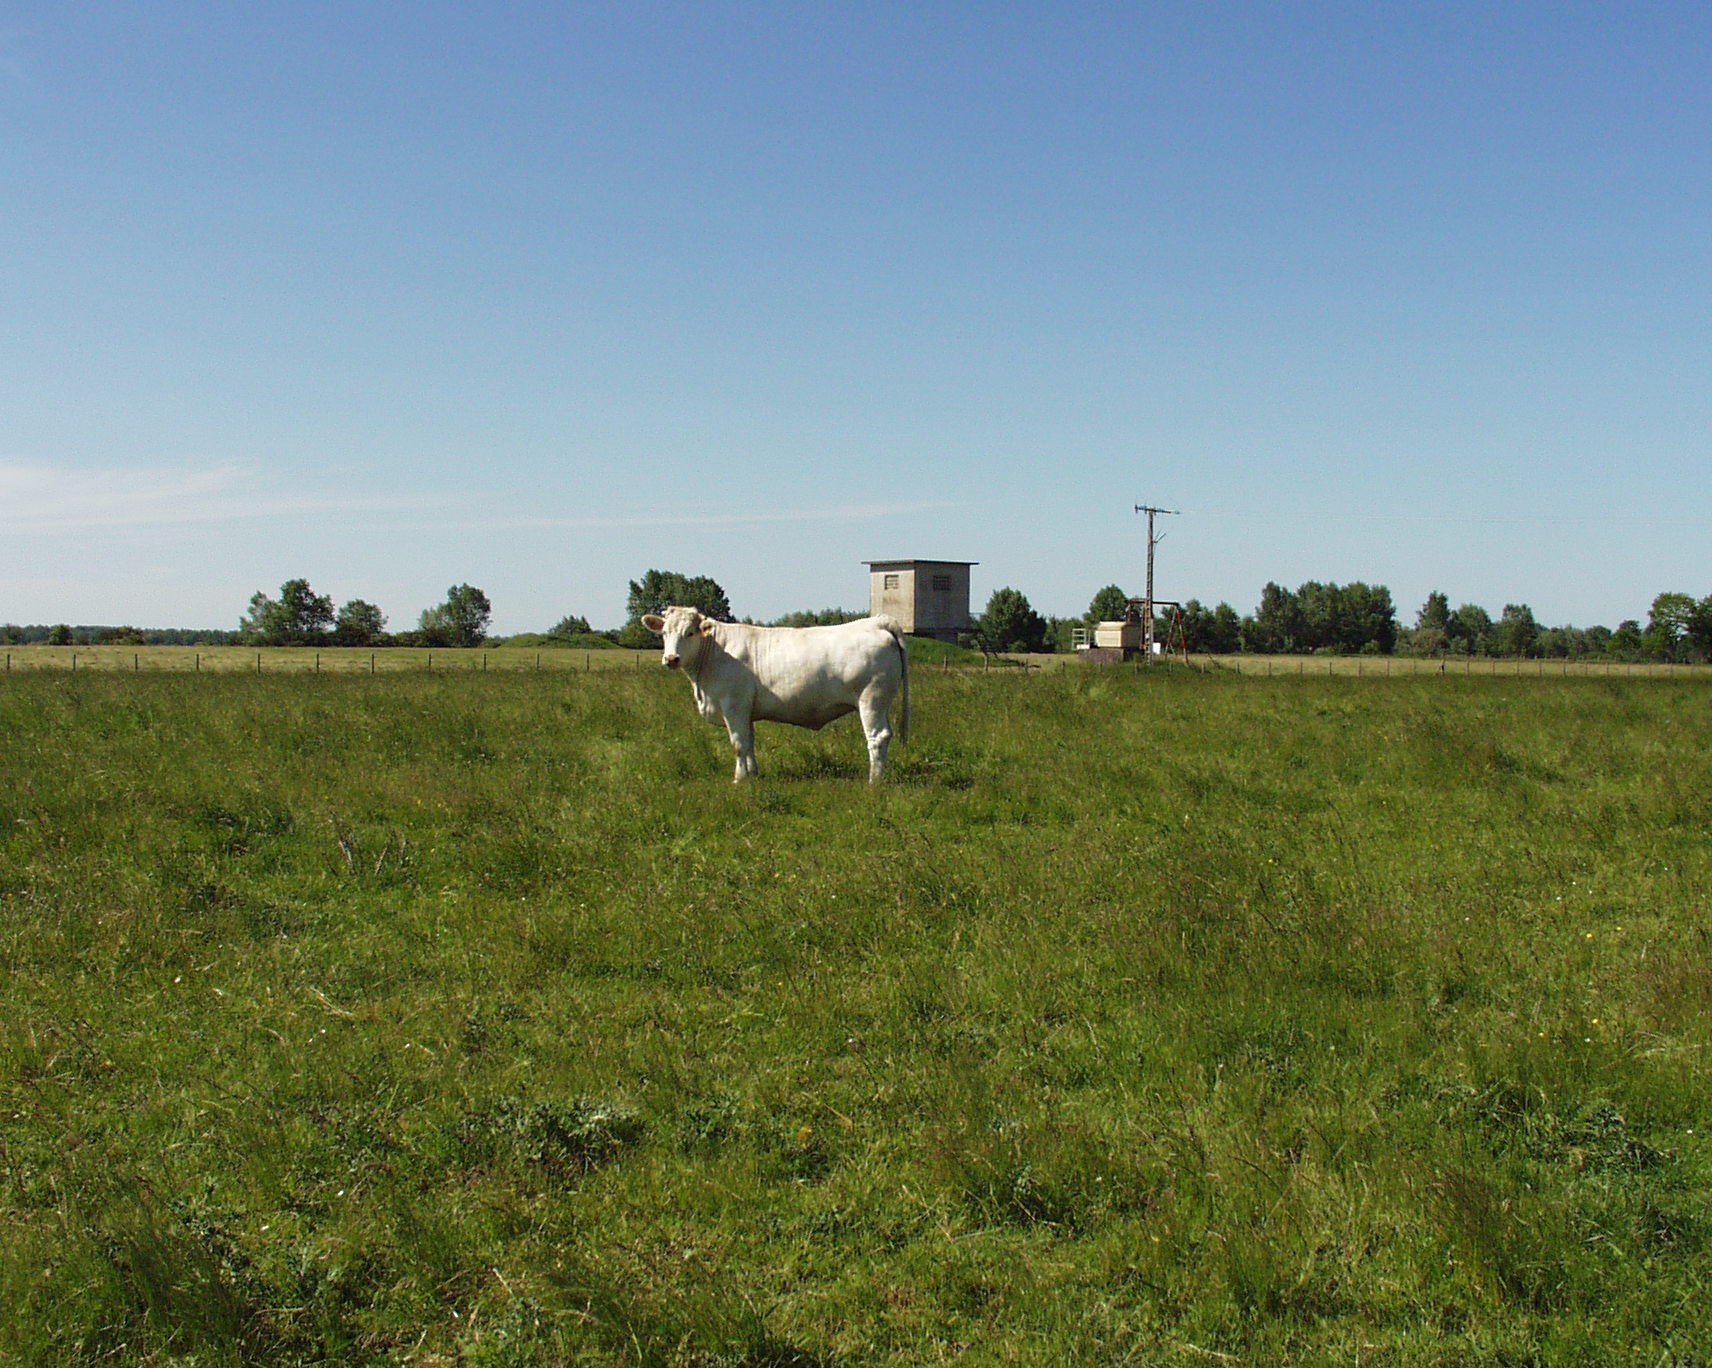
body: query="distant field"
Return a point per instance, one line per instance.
(1142, 1017)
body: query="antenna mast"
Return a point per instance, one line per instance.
(1147, 604)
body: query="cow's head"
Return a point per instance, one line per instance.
(681, 631)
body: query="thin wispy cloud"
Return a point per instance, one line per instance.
(834, 513)
(51, 499)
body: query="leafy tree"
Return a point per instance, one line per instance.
(261, 621)
(661, 589)
(1697, 629)
(1516, 632)
(571, 626)
(359, 623)
(122, 636)
(1321, 617)
(460, 621)
(1625, 642)
(1668, 626)
(1434, 614)
(1470, 630)
(60, 634)
(1346, 618)
(1431, 634)
(298, 617)
(1225, 637)
(1318, 610)
(1376, 614)
(1571, 643)
(1010, 624)
(1208, 631)
(1277, 621)
(308, 614)
(1111, 604)
(1196, 621)
(1061, 633)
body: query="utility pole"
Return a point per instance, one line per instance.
(1147, 608)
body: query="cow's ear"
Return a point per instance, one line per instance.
(654, 622)
(707, 626)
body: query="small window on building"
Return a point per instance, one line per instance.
(890, 582)
(942, 584)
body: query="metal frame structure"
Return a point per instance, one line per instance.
(1149, 600)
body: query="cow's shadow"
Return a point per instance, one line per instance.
(813, 767)
(921, 767)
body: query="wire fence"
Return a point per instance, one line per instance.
(1388, 667)
(310, 660)
(404, 660)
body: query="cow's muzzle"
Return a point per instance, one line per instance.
(671, 662)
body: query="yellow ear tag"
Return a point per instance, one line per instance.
(707, 629)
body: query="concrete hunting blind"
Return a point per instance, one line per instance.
(1130, 638)
(929, 598)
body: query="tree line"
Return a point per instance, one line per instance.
(1315, 618)
(1360, 619)
(301, 617)
(1355, 619)
(297, 617)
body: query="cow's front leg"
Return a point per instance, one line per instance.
(742, 732)
(708, 709)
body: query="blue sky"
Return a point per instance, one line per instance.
(539, 296)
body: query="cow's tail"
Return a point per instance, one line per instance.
(903, 658)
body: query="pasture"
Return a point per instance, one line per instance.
(1154, 1017)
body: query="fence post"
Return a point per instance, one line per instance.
(199, 662)
(74, 662)
(371, 662)
(258, 662)
(318, 662)
(137, 662)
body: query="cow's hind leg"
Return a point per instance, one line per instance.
(877, 727)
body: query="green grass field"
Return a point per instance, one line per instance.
(1148, 1017)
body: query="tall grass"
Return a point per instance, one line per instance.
(1138, 1018)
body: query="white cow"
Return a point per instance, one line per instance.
(807, 676)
